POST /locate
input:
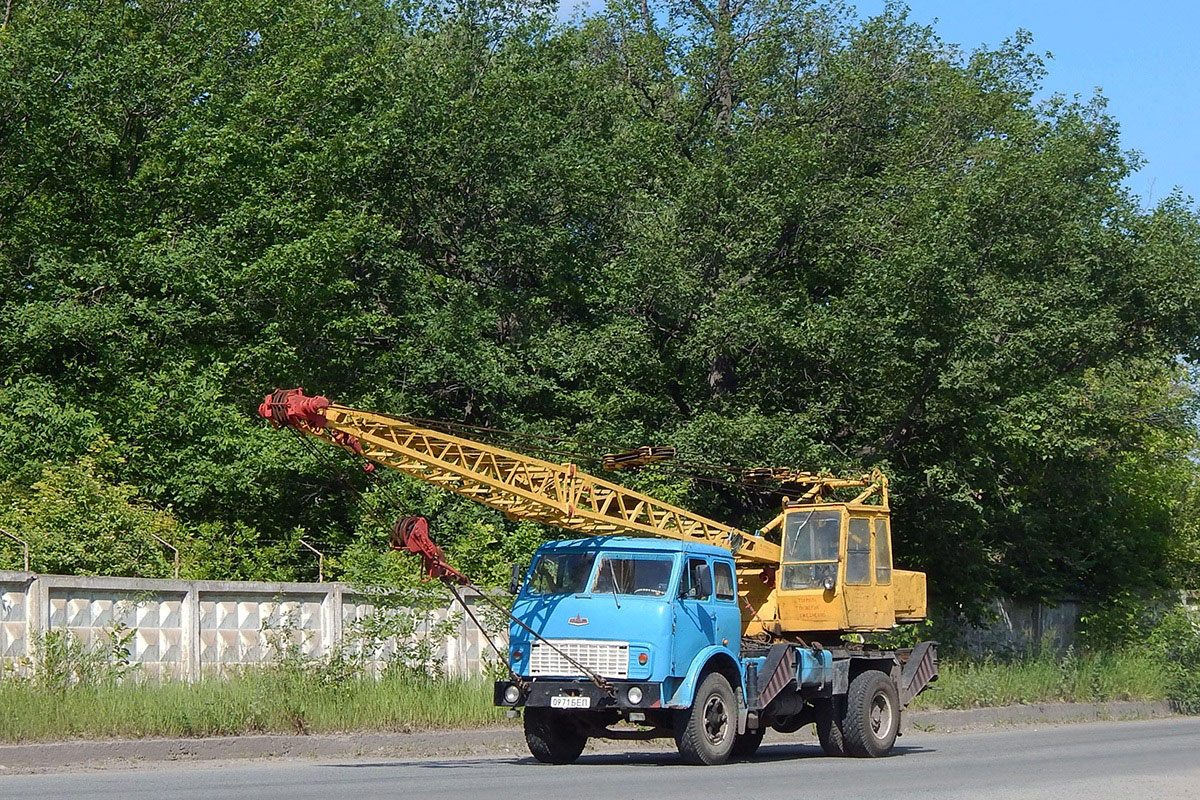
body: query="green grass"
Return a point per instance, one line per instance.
(279, 701)
(253, 703)
(1128, 675)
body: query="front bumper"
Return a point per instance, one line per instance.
(541, 691)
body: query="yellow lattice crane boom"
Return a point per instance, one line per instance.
(519, 485)
(833, 572)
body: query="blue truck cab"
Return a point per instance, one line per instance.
(646, 634)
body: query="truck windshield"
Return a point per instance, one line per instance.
(633, 574)
(810, 548)
(561, 573)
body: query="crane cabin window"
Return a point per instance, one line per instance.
(810, 549)
(561, 573)
(883, 552)
(858, 552)
(645, 575)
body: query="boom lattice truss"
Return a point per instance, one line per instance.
(520, 486)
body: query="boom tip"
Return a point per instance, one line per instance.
(294, 408)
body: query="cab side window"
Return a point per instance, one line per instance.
(723, 580)
(699, 580)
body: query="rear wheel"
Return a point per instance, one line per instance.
(705, 733)
(552, 736)
(872, 718)
(829, 725)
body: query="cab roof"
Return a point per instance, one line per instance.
(646, 544)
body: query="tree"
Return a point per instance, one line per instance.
(79, 522)
(763, 231)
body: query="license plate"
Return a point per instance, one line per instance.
(563, 701)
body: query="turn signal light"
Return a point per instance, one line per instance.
(643, 658)
(518, 655)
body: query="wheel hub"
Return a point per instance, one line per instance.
(716, 720)
(881, 716)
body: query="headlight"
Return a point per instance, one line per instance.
(634, 695)
(511, 695)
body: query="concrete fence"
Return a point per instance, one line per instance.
(1022, 627)
(186, 629)
(1190, 599)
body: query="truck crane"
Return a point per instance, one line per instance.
(666, 623)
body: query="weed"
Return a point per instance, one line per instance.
(1177, 639)
(1131, 674)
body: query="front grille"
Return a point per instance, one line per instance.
(610, 659)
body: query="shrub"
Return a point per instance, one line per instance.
(1177, 640)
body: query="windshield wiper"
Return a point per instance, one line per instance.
(613, 574)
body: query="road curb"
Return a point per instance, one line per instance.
(1041, 713)
(491, 741)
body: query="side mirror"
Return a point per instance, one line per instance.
(514, 582)
(706, 583)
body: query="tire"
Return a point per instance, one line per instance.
(829, 726)
(872, 718)
(706, 732)
(552, 736)
(746, 744)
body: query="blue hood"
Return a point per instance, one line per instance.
(594, 616)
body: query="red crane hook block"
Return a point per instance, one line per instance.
(412, 534)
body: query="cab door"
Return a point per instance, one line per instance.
(859, 582)
(695, 621)
(881, 553)
(725, 605)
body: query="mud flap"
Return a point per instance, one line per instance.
(919, 671)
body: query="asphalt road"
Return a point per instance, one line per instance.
(1147, 759)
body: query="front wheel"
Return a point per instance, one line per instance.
(746, 744)
(552, 736)
(706, 732)
(872, 718)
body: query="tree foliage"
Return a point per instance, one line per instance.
(760, 230)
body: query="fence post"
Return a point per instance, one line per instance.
(320, 561)
(174, 550)
(189, 634)
(37, 616)
(24, 545)
(331, 617)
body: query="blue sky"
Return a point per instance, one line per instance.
(1144, 56)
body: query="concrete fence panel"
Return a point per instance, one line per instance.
(187, 629)
(1021, 627)
(14, 617)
